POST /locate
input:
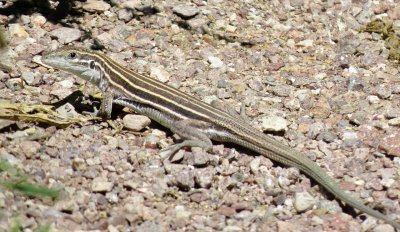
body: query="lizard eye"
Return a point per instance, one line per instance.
(71, 55)
(91, 65)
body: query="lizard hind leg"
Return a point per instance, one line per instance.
(191, 132)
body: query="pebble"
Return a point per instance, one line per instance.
(66, 35)
(372, 99)
(125, 14)
(185, 11)
(131, 4)
(181, 212)
(30, 148)
(394, 122)
(28, 77)
(96, 6)
(112, 197)
(226, 211)
(38, 20)
(67, 111)
(274, 124)
(303, 201)
(183, 179)
(204, 177)
(390, 143)
(255, 164)
(17, 30)
(215, 62)
(306, 43)
(149, 226)
(136, 122)
(99, 186)
(383, 228)
(200, 157)
(160, 74)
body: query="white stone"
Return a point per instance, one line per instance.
(274, 123)
(215, 62)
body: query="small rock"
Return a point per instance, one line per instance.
(199, 196)
(185, 11)
(78, 163)
(67, 84)
(256, 85)
(356, 84)
(392, 112)
(136, 122)
(5, 123)
(383, 228)
(306, 43)
(390, 143)
(184, 180)
(30, 148)
(160, 74)
(204, 177)
(226, 211)
(303, 201)
(149, 226)
(215, 62)
(96, 6)
(131, 4)
(101, 186)
(28, 77)
(181, 212)
(151, 141)
(200, 158)
(125, 15)
(198, 23)
(17, 30)
(383, 92)
(329, 206)
(320, 76)
(321, 108)
(112, 197)
(38, 20)
(327, 136)
(281, 91)
(274, 123)
(394, 122)
(67, 111)
(255, 164)
(174, 158)
(66, 35)
(372, 99)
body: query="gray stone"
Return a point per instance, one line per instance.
(274, 123)
(67, 111)
(303, 201)
(66, 35)
(185, 11)
(136, 122)
(215, 62)
(149, 226)
(17, 30)
(96, 6)
(160, 74)
(101, 186)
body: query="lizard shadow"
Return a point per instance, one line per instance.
(86, 104)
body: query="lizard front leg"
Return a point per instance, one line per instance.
(106, 106)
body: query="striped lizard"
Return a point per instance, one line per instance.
(197, 122)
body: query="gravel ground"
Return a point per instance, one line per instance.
(304, 72)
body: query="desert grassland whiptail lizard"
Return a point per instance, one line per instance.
(193, 120)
